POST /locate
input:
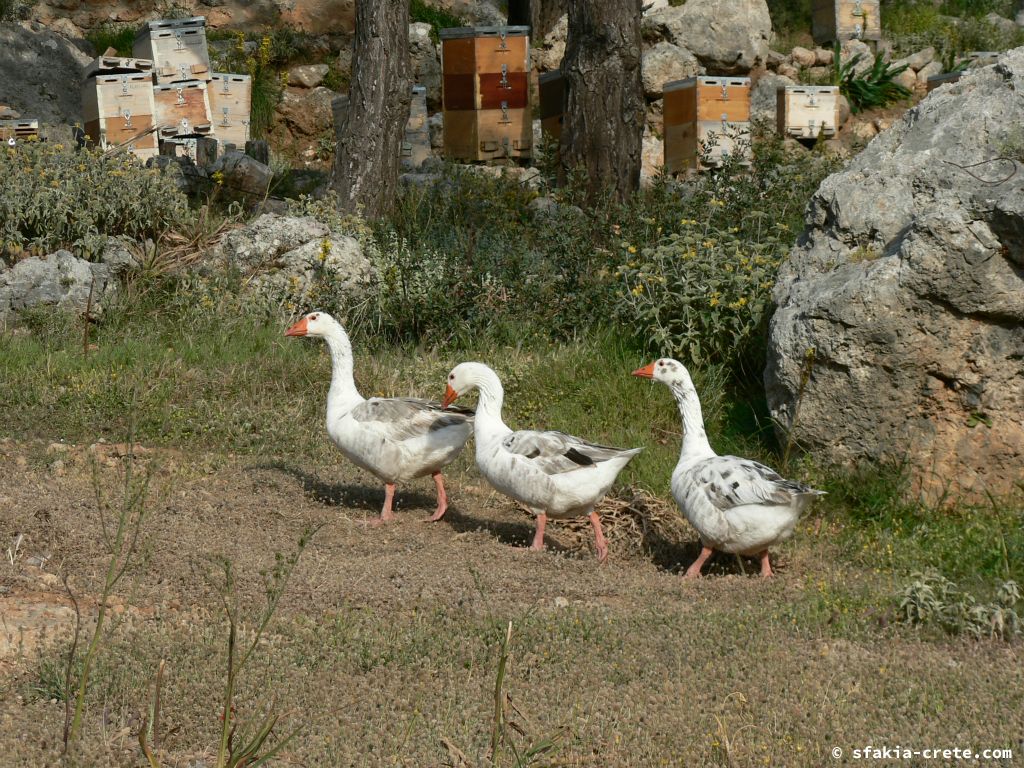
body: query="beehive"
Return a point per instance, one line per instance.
(935, 81)
(805, 111)
(552, 103)
(840, 20)
(706, 120)
(416, 142)
(15, 130)
(230, 104)
(177, 48)
(486, 94)
(117, 65)
(182, 109)
(118, 108)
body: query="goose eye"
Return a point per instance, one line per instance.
(451, 377)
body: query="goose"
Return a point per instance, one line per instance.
(395, 438)
(737, 505)
(554, 474)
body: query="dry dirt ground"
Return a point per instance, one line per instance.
(385, 647)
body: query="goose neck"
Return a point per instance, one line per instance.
(343, 390)
(695, 439)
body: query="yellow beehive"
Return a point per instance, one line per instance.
(805, 111)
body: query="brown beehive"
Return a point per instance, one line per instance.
(182, 109)
(230, 105)
(486, 92)
(552, 103)
(838, 20)
(706, 119)
(805, 111)
(118, 108)
(177, 48)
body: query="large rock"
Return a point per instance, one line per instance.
(307, 75)
(652, 158)
(59, 280)
(297, 259)
(857, 48)
(426, 63)
(727, 38)
(764, 98)
(664, 63)
(41, 77)
(550, 54)
(908, 286)
(303, 118)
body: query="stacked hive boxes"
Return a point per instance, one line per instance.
(486, 93)
(165, 93)
(14, 128)
(838, 20)
(416, 144)
(707, 119)
(807, 111)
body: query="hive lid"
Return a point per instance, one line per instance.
(689, 82)
(546, 77)
(168, 25)
(455, 33)
(809, 88)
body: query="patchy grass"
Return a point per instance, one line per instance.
(117, 36)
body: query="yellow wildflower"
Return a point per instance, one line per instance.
(632, 249)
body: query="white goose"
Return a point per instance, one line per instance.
(396, 438)
(736, 505)
(552, 473)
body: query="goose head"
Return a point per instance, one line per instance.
(464, 377)
(668, 371)
(313, 324)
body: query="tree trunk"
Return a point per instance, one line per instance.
(519, 12)
(604, 115)
(539, 15)
(370, 139)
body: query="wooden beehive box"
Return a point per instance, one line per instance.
(805, 111)
(705, 115)
(116, 65)
(840, 20)
(486, 93)
(177, 48)
(183, 109)
(230, 107)
(416, 143)
(552, 103)
(14, 130)
(118, 108)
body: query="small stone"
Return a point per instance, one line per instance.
(929, 70)
(921, 59)
(823, 57)
(20, 462)
(57, 467)
(561, 602)
(307, 75)
(803, 57)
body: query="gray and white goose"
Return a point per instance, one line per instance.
(554, 474)
(396, 438)
(737, 505)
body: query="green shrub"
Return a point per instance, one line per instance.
(437, 18)
(13, 10)
(931, 598)
(117, 36)
(913, 26)
(872, 89)
(702, 294)
(263, 65)
(52, 196)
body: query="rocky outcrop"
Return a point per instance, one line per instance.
(304, 116)
(425, 58)
(665, 62)
(297, 259)
(764, 98)
(727, 38)
(908, 290)
(41, 76)
(59, 280)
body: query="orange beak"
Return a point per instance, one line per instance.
(299, 329)
(647, 372)
(449, 396)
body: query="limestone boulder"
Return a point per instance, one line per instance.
(60, 280)
(727, 38)
(764, 98)
(904, 299)
(665, 62)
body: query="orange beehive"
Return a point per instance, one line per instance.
(486, 92)
(840, 20)
(182, 109)
(706, 120)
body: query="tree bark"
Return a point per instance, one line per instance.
(370, 139)
(604, 115)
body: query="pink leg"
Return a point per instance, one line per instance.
(442, 499)
(386, 515)
(599, 540)
(538, 537)
(693, 572)
(766, 566)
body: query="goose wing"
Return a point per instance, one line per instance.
(404, 418)
(730, 482)
(556, 452)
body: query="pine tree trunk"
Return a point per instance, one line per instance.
(604, 116)
(367, 158)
